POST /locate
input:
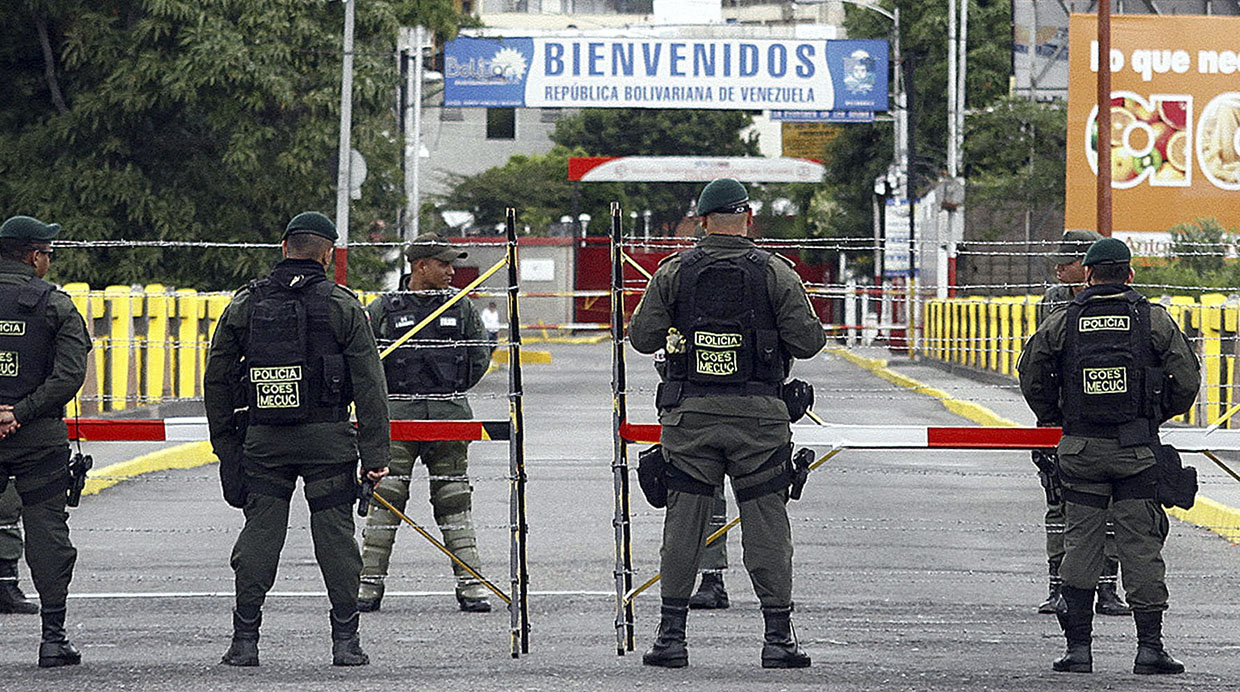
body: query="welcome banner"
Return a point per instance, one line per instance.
(734, 74)
(1175, 121)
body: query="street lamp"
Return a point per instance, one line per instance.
(584, 218)
(646, 217)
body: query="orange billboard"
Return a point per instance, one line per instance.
(1175, 121)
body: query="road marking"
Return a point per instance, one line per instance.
(121, 595)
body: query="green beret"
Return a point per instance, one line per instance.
(27, 228)
(312, 222)
(1107, 251)
(433, 245)
(719, 194)
(1074, 245)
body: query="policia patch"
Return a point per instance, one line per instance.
(716, 354)
(277, 387)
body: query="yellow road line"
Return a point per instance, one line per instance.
(184, 456)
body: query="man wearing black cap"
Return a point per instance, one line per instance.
(1071, 277)
(731, 318)
(1111, 367)
(293, 350)
(427, 377)
(43, 349)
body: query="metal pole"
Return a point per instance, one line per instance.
(1104, 118)
(620, 461)
(344, 174)
(953, 103)
(519, 608)
(415, 166)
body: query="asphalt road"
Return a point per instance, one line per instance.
(914, 570)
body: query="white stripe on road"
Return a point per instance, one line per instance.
(114, 595)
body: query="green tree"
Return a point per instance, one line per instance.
(1014, 157)
(183, 120)
(863, 152)
(1201, 261)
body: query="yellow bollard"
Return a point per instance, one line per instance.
(79, 293)
(1211, 325)
(215, 308)
(189, 309)
(120, 330)
(156, 362)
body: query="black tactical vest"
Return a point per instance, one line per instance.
(27, 342)
(294, 368)
(1108, 365)
(430, 362)
(725, 315)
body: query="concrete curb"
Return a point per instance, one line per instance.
(1206, 513)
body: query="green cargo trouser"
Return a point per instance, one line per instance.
(10, 512)
(1054, 535)
(42, 476)
(1098, 468)
(330, 491)
(706, 447)
(715, 555)
(451, 501)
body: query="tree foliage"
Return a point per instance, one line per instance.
(183, 120)
(540, 185)
(1202, 261)
(863, 152)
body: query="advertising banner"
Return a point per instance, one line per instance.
(823, 116)
(732, 74)
(1175, 121)
(692, 169)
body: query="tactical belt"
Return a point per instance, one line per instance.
(344, 495)
(681, 482)
(1136, 487)
(55, 486)
(774, 484)
(689, 389)
(1135, 432)
(332, 414)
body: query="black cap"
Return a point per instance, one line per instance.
(29, 228)
(1074, 245)
(312, 222)
(1107, 251)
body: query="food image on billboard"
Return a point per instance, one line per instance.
(1174, 140)
(1149, 140)
(1218, 141)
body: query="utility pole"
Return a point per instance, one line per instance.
(415, 42)
(344, 174)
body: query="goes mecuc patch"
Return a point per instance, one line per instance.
(277, 387)
(716, 354)
(1113, 380)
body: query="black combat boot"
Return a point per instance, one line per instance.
(1109, 601)
(346, 647)
(1152, 658)
(12, 600)
(780, 649)
(710, 594)
(370, 597)
(1053, 598)
(1077, 620)
(243, 651)
(55, 650)
(669, 650)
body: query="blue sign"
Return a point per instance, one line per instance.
(823, 116)
(733, 74)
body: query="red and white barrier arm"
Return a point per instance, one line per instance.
(929, 437)
(192, 429)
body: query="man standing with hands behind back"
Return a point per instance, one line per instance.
(301, 349)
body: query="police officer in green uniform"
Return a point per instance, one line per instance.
(12, 600)
(731, 317)
(427, 378)
(1111, 367)
(294, 350)
(1071, 277)
(43, 349)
